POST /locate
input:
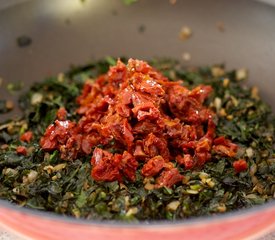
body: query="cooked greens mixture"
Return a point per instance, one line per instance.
(128, 140)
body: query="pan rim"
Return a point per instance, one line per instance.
(137, 224)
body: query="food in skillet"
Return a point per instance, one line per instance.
(134, 143)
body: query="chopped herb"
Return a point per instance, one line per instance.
(111, 61)
(13, 87)
(6, 106)
(23, 41)
(186, 56)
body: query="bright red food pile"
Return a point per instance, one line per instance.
(150, 121)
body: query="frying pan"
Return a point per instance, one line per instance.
(68, 32)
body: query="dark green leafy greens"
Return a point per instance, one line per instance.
(43, 181)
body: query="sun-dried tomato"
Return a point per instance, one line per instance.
(128, 166)
(154, 146)
(169, 177)
(200, 92)
(138, 112)
(153, 166)
(26, 137)
(109, 167)
(105, 166)
(186, 160)
(225, 147)
(240, 165)
(61, 114)
(21, 150)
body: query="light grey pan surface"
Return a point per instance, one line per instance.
(69, 32)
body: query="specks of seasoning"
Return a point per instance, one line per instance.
(23, 41)
(241, 74)
(222, 112)
(114, 12)
(76, 212)
(255, 93)
(226, 82)
(172, 2)
(30, 150)
(235, 101)
(54, 178)
(172, 206)
(210, 182)
(9, 172)
(9, 105)
(253, 169)
(60, 77)
(185, 33)
(36, 98)
(217, 103)
(14, 87)
(59, 167)
(185, 180)
(203, 176)
(16, 190)
(221, 208)
(10, 126)
(264, 153)
(148, 183)
(220, 26)
(6, 106)
(230, 117)
(217, 71)
(49, 169)
(192, 192)
(249, 152)
(141, 28)
(132, 211)
(31, 177)
(186, 56)
(149, 186)
(4, 147)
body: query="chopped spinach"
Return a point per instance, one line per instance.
(43, 181)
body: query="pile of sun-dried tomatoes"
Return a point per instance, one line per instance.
(148, 121)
